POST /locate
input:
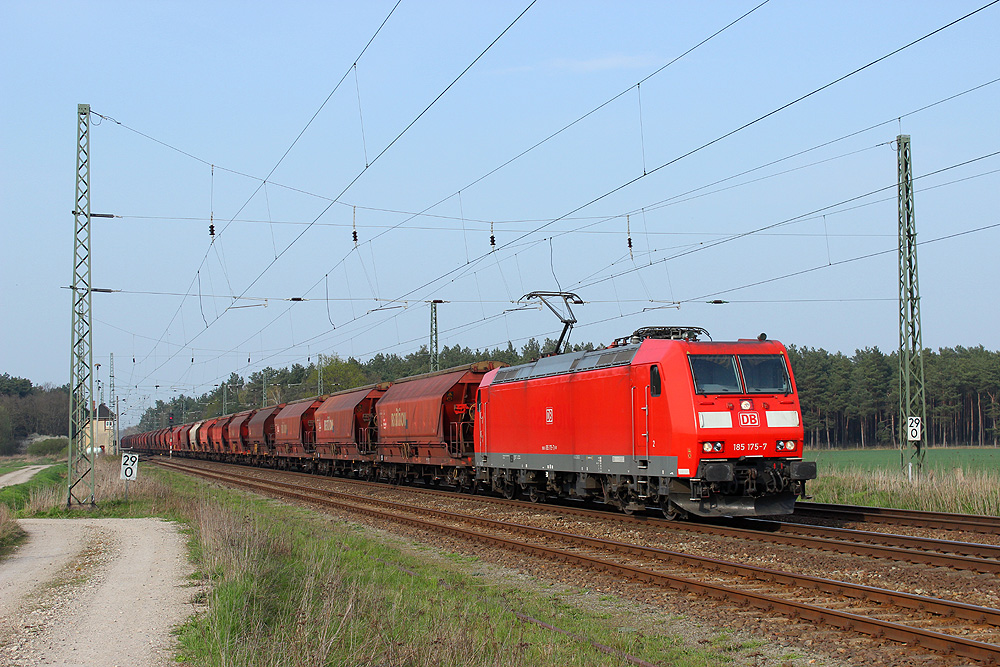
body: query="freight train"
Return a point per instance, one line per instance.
(660, 418)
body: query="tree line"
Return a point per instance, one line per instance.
(854, 401)
(847, 401)
(26, 409)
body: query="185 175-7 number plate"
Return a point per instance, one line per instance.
(754, 447)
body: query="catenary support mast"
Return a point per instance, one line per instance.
(82, 413)
(912, 400)
(433, 347)
(114, 405)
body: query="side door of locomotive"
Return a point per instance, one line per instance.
(482, 402)
(647, 385)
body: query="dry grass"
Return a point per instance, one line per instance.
(10, 532)
(146, 494)
(957, 490)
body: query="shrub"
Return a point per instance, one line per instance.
(49, 447)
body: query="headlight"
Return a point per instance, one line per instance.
(790, 445)
(746, 404)
(780, 446)
(718, 447)
(706, 447)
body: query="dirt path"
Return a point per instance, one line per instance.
(19, 476)
(93, 592)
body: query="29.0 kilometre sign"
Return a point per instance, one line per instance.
(130, 467)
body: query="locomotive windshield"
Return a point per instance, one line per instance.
(765, 374)
(740, 374)
(715, 374)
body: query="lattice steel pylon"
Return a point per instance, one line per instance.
(114, 404)
(912, 399)
(82, 422)
(433, 348)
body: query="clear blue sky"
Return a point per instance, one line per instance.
(233, 84)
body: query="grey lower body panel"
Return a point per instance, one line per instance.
(656, 466)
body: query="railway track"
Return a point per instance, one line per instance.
(965, 630)
(957, 555)
(989, 525)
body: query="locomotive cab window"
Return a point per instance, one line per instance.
(654, 380)
(721, 374)
(765, 374)
(715, 374)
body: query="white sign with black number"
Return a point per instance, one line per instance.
(913, 429)
(130, 467)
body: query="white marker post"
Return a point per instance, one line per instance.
(130, 469)
(914, 432)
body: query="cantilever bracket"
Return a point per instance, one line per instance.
(568, 320)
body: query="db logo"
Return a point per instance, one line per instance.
(749, 419)
(548, 415)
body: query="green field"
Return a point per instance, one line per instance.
(953, 479)
(940, 459)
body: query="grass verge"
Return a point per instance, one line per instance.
(957, 490)
(18, 496)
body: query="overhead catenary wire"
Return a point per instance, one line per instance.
(678, 198)
(786, 221)
(462, 270)
(375, 159)
(702, 297)
(662, 68)
(619, 232)
(903, 115)
(279, 352)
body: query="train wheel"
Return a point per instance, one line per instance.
(510, 490)
(671, 512)
(535, 495)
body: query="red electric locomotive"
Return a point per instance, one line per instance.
(660, 418)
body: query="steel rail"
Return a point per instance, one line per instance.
(971, 549)
(876, 627)
(942, 520)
